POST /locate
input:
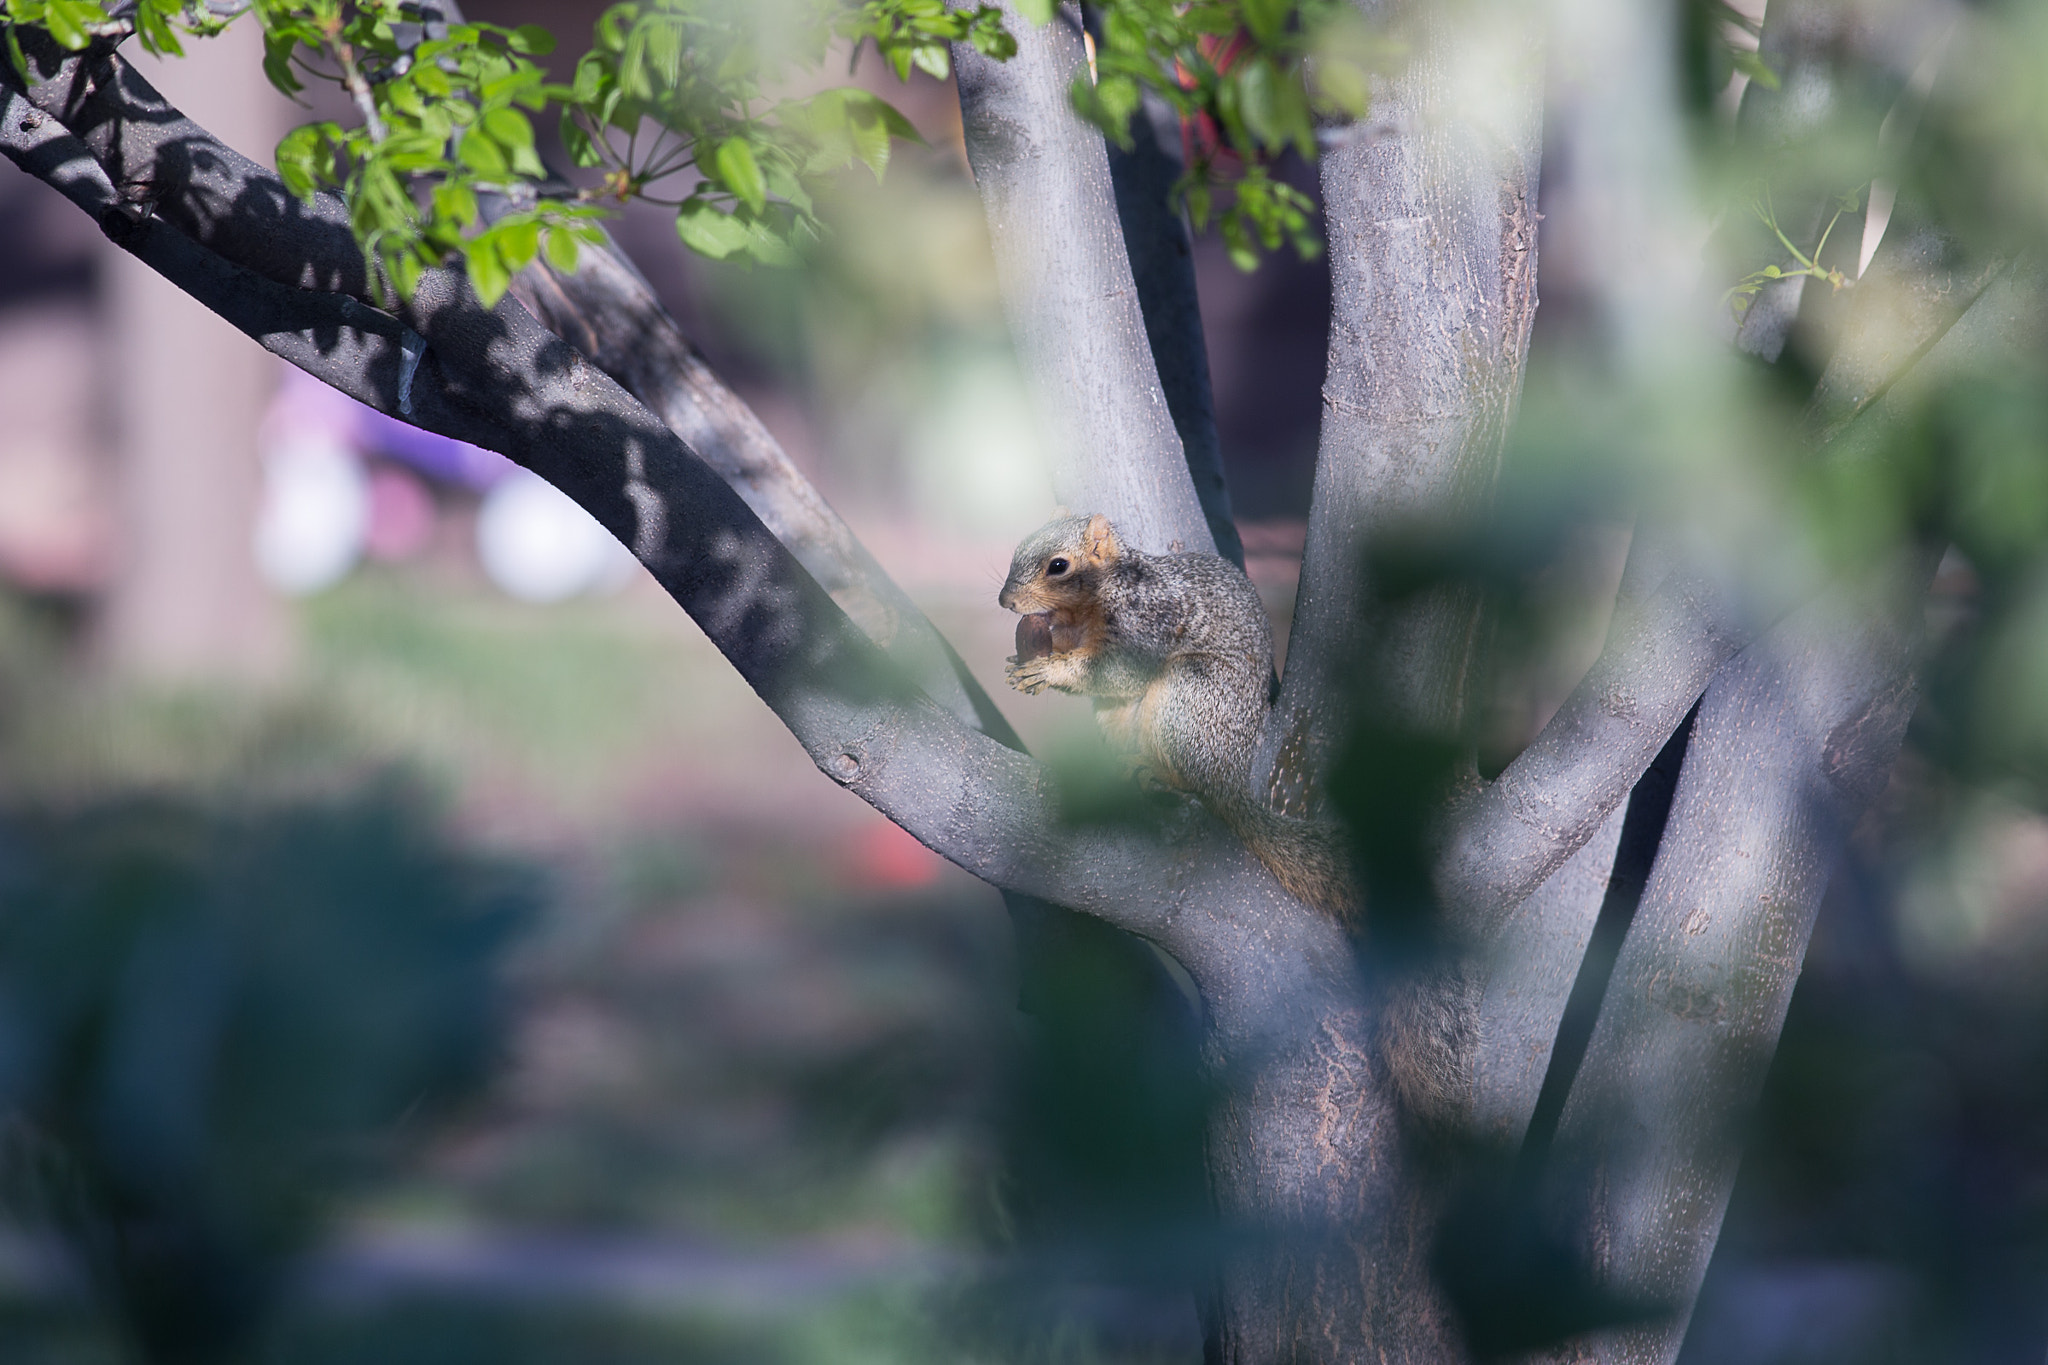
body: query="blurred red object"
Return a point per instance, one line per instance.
(1201, 140)
(885, 855)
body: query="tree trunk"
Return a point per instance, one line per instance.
(186, 601)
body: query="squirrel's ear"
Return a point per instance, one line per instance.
(1062, 512)
(1100, 538)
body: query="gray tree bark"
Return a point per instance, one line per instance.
(1430, 209)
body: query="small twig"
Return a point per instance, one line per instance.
(359, 90)
(1740, 295)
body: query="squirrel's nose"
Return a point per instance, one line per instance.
(1003, 597)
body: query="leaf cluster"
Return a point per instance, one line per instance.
(681, 88)
(1744, 291)
(443, 165)
(74, 23)
(1248, 79)
(447, 118)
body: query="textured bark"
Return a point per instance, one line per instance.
(1163, 268)
(1432, 237)
(1792, 742)
(1546, 804)
(1326, 1250)
(1068, 292)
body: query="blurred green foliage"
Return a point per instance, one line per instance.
(686, 93)
(214, 1020)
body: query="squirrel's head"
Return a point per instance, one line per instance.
(1059, 564)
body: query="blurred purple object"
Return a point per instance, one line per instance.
(304, 403)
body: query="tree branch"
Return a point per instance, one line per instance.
(1431, 216)
(1512, 835)
(1068, 290)
(606, 310)
(1792, 742)
(1163, 267)
(1546, 804)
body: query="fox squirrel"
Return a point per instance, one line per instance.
(1178, 655)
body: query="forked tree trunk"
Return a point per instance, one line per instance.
(1328, 1200)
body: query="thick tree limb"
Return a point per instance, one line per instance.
(606, 310)
(1431, 217)
(1068, 291)
(1792, 743)
(1546, 804)
(1512, 835)
(1279, 983)
(1529, 969)
(1163, 267)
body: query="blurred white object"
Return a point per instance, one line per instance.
(315, 512)
(539, 546)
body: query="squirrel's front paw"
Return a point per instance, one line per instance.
(1027, 675)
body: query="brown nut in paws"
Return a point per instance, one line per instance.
(1034, 636)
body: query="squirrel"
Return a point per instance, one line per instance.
(1177, 653)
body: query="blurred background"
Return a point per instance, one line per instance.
(417, 945)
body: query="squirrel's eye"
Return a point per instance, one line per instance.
(1056, 568)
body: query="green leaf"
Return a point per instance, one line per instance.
(1754, 67)
(487, 273)
(1037, 11)
(66, 23)
(455, 202)
(576, 141)
(1265, 18)
(741, 174)
(708, 232)
(305, 157)
(518, 244)
(481, 155)
(592, 77)
(1260, 102)
(561, 249)
(511, 131)
(533, 40)
(405, 273)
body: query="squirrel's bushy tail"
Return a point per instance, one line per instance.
(1308, 857)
